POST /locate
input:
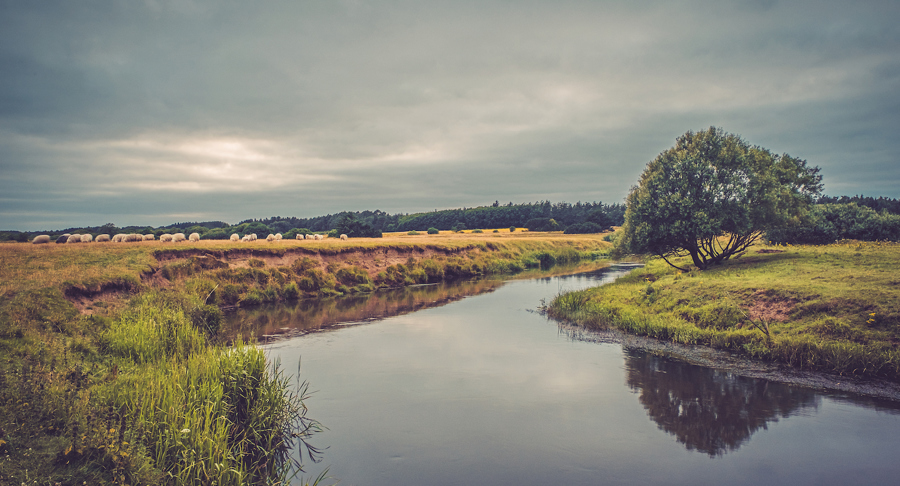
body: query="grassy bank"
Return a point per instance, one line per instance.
(110, 371)
(833, 308)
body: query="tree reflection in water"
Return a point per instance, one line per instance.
(708, 410)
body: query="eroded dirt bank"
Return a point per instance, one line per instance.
(372, 260)
(98, 298)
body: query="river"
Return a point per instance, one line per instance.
(466, 383)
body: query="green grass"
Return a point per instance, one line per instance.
(834, 308)
(139, 392)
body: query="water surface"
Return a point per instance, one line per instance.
(484, 390)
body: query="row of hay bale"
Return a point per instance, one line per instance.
(119, 238)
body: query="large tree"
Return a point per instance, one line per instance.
(712, 195)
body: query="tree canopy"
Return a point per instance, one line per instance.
(712, 195)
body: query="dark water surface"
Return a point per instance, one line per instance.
(483, 390)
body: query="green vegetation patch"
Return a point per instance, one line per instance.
(833, 308)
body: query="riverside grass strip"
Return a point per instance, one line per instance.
(833, 308)
(110, 371)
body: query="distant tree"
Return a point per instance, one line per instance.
(712, 195)
(350, 225)
(600, 218)
(542, 224)
(433, 231)
(260, 229)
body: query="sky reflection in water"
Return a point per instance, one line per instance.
(486, 391)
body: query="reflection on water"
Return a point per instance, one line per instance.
(278, 321)
(487, 391)
(708, 410)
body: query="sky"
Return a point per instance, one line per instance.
(155, 112)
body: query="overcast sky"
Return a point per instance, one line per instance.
(156, 112)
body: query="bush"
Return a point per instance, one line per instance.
(291, 291)
(433, 231)
(413, 233)
(512, 229)
(477, 231)
(542, 224)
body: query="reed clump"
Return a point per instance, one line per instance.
(833, 308)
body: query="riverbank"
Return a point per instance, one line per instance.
(111, 370)
(832, 308)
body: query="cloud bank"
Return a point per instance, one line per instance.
(161, 111)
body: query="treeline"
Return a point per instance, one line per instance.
(827, 223)
(373, 223)
(518, 215)
(878, 204)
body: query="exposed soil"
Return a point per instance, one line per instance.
(769, 308)
(91, 299)
(372, 260)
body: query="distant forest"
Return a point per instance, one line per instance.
(374, 222)
(483, 217)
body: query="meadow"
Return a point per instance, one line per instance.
(833, 308)
(112, 370)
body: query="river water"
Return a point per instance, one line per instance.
(466, 383)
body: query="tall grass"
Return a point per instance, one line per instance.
(203, 414)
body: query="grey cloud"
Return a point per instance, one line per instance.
(211, 107)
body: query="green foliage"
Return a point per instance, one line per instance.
(291, 291)
(433, 231)
(827, 223)
(413, 233)
(352, 276)
(712, 195)
(260, 229)
(353, 227)
(504, 216)
(584, 228)
(542, 224)
(512, 229)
